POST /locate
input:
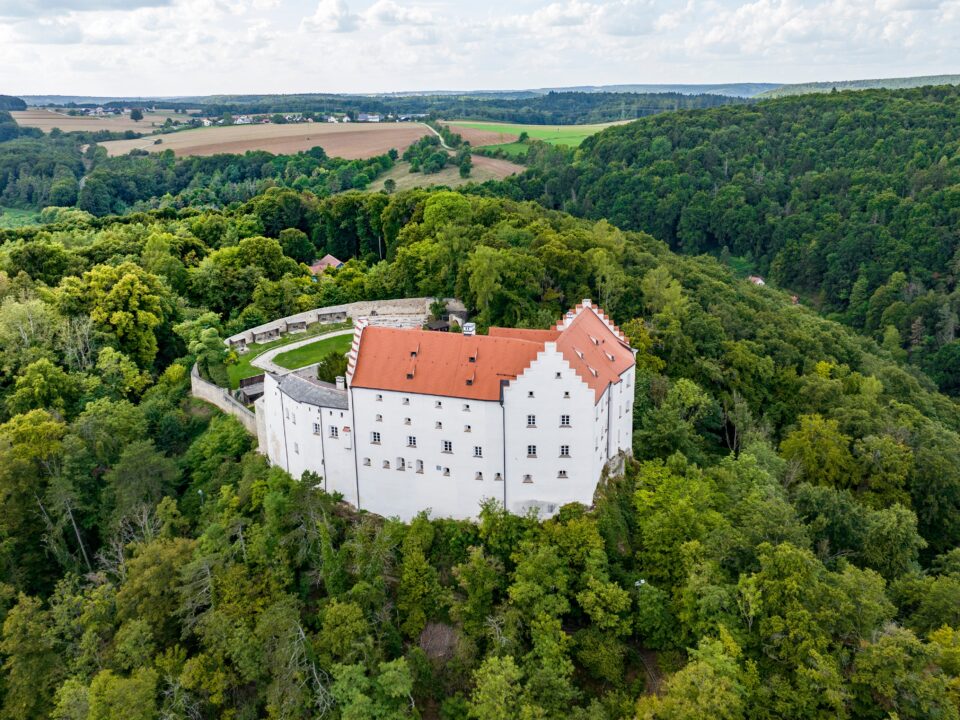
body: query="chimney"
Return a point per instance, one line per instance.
(587, 302)
(341, 382)
(469, 328)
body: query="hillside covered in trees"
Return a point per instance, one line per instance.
(784, 545)
(850, 199)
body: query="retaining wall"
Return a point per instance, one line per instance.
(216, 395)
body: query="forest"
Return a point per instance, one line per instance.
(850, 200)
(783, 545)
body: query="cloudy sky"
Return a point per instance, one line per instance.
(180, 47)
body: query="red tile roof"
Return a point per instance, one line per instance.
(323, 263)
(430, 363)
(473, 366)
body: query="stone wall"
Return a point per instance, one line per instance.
(217, 396)
(402, 312)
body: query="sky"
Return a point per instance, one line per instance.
(195, 47)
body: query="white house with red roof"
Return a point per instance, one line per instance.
(445, 421)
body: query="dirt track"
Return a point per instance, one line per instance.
(350, 141)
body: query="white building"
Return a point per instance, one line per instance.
(444, 421)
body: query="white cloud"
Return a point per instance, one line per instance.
(387, 12)
(332, 16)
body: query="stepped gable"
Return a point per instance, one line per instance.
(595, 349)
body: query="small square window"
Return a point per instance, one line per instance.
(419, 466)
(530, 393)
(438, 404)
(296, 448)
(478, 476)
(401, 464)
(406, 421)
(446, 472)
(379, 397)
(562, 474)
(438, 425)
(379, 418)
(528, 479)
(366, 462)
(467, 428)
(557, 376)
(386, 464)
(498, 477)
(466, 407)
(566, 394)
(405, 401)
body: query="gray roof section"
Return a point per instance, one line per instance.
(313, 392)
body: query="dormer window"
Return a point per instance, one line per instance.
(610, 356)
(413, 353)
(409, 376)
(472, 358)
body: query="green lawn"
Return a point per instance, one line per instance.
(14, 217)
(571, 135)
(313, 353)
(243, 369)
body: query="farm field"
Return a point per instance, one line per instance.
(481, 134)
(484, 169)
(46, 120)
(350, 141)
(314, 352)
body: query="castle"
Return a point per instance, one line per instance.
(444, 421)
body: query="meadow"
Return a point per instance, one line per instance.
(485, 134)
(351, 141)
(484, 169)
(15, 217)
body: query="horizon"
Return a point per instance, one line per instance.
(182, 48)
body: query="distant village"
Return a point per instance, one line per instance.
(197, 119)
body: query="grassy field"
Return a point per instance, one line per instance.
(243, 369)
(314, 352)
(571, 135)
(14, 217)
(346, 140)
(483, 169)
(46, 120)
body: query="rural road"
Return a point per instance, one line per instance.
(439, 136)
(264, 360)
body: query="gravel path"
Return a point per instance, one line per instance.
(264, 360)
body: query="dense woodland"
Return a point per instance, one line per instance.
(851, 200)
(784, 545)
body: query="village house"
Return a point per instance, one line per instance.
(327, 261)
